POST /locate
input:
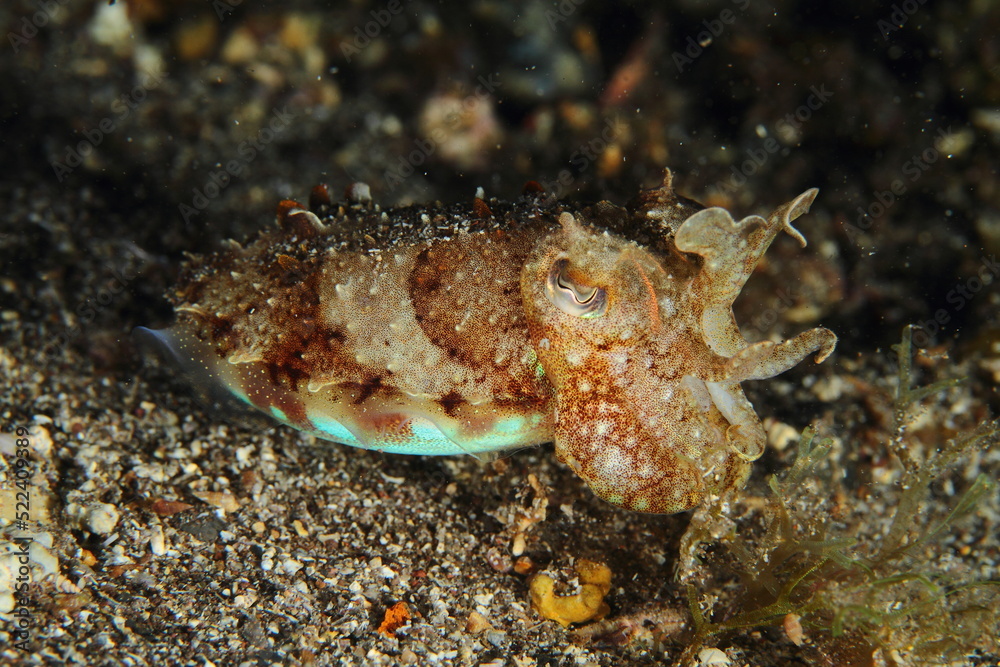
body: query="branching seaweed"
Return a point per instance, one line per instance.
(869, 592)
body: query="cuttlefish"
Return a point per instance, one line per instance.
(480, 327)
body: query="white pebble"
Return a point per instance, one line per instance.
(101, 518)
(157, 542)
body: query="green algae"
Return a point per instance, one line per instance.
(886, 592)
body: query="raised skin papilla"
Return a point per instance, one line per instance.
(468, 329)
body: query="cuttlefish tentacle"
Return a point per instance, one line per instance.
(756, 362)
(766, 359)
(745, 435)
(731, 251)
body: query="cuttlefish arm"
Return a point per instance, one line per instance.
(731, 251)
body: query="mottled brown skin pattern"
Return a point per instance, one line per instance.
(607, 329)
(428, 314)
(624, 421)
(649, 410)
(465, 296)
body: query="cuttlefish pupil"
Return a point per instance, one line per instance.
(572, 298)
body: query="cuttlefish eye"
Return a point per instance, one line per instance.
(571, 297)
